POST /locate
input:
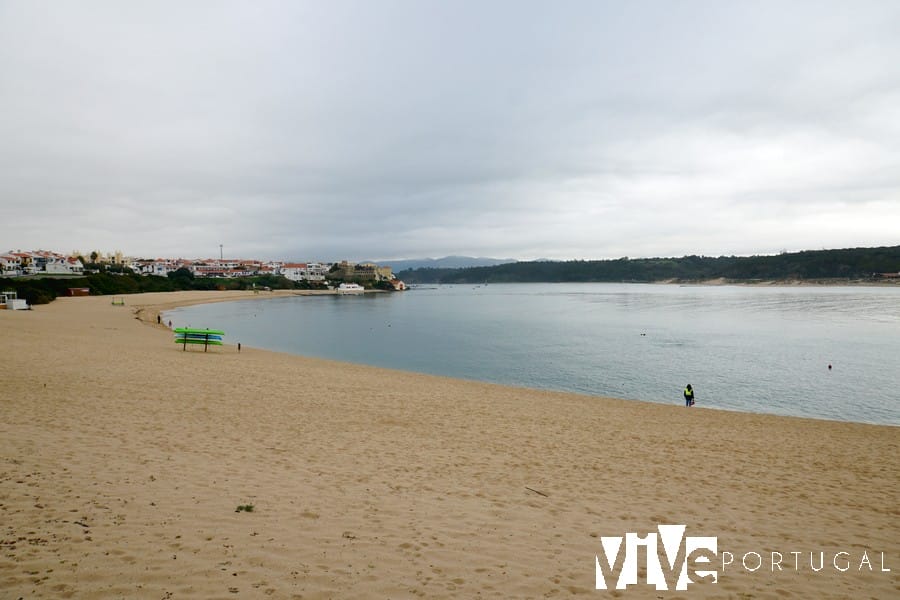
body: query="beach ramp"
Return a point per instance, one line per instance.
(196, 337)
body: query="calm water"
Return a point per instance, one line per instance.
(743, 348)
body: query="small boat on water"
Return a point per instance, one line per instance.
(350, 288)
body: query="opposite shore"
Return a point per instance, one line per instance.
(124, 460)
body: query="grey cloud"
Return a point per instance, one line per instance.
(400, 129)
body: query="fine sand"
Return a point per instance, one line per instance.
(123, 461)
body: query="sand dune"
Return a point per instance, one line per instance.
(123, 461)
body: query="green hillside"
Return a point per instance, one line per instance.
(847, 264)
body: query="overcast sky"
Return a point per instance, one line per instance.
(379, 129)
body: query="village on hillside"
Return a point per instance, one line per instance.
(46, 263)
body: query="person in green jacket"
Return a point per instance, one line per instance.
(688, 395)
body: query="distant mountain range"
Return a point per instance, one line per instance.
(448, 262)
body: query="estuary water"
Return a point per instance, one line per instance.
(756, 349)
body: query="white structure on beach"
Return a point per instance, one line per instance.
(9, 301)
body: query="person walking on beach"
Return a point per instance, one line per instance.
(688, 395)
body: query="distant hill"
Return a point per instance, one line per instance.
(848, 263)
(448, 262)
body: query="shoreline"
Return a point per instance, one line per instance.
(124, 459)
(156, 310)
(719, 281)
(285, 293)
(798, 282)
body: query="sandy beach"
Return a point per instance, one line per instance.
(123, 461)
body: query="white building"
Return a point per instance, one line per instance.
(214, 267)
(76, 267)
(10, 265)
(304, 271)
(159, 267)
(294, 271)
(39, 262)
(9, 301)
(317, 271)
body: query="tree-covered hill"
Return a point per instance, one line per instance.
(849, 263)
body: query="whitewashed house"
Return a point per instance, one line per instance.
(294, 271)
(304, 271)
(316, 271)
(10, 265)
